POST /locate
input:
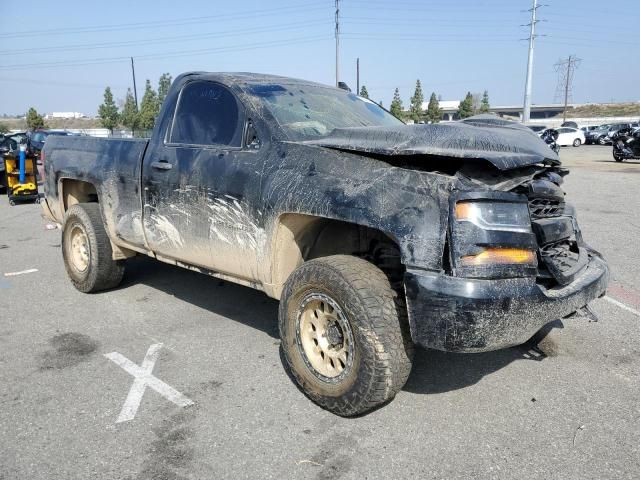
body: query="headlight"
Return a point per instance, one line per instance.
(507, 217)
(491, 236)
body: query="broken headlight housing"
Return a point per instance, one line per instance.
(490, 236)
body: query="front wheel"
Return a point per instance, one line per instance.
(577, 142)
(86, 250)
(344, 333)
(602, 141)
(617, 156)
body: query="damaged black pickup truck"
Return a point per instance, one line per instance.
(374, 235)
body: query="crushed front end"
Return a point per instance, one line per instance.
(514, 261)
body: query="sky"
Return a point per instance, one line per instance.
(68, 51)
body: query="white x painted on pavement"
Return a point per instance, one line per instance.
(144, 379)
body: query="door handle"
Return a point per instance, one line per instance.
(162, 165)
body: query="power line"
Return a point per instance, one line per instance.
(59, 84)
(107, 60)
(299, 8)
(161, 40)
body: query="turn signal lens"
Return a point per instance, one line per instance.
(464, 210)
(499, 256)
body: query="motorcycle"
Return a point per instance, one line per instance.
(626, 144)
(550, 136)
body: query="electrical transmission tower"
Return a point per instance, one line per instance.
(566, 69)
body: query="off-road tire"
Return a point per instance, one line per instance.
(102, 272)
(383, 351)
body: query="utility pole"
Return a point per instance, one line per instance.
(135, 90)
(526, 111)
(358, 76)
(337, 41)
(566, 90)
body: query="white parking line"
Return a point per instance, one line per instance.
(144, 379)
(22, 272)
(622, 305)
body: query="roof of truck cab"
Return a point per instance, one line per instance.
(246, 78)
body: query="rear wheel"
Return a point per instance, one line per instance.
(86, 250)
(577, 142)
(602, 140)
(344, 336)
(617, 157)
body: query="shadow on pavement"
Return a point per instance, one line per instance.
(438, 372)
(629, 162)
(433, 371)
(241, 304)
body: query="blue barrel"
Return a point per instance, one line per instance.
(23, 159)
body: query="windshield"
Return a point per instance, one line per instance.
(310, 111)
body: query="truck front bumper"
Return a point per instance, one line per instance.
(470, 315)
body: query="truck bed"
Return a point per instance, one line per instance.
(113, 166)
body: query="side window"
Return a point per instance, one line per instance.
(207, 114)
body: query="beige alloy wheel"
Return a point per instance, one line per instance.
(79, 252)
(324, 338)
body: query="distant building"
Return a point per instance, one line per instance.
(66, 115)
(450, 110)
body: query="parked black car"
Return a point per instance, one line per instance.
(603, 136)
(538, 128)
(38, 137)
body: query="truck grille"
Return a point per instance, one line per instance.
(561, 257)
(545, 207)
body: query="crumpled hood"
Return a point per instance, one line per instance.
(506, 145)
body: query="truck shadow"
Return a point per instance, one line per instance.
(433, 371)
(438, 372)
(235, 302)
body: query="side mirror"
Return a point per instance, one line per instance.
(252, 140)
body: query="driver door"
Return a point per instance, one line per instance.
(196, 188)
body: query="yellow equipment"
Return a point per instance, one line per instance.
(27, 190)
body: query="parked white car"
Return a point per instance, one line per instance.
(570, 136)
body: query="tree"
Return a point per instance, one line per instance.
(108, 111)
(34, 119)
(415, 108)
(396, 105)
(130, 117)
(149, 107)
(434, 112)
(465, 109)
(363, 92)
(163, 87)
(484, 104)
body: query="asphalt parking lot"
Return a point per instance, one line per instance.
(568, 409)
